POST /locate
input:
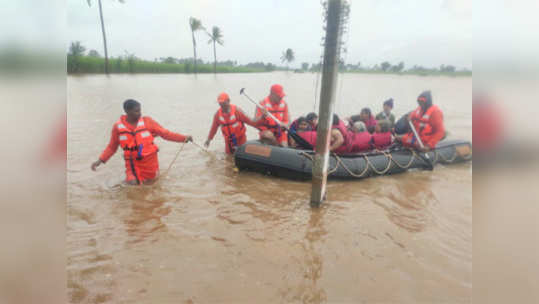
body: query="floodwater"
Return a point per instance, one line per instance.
(207, 234)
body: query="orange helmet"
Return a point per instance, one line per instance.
(223, 97)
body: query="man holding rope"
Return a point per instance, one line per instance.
(135, 134)
(232, 121)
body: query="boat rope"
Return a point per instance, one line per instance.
(376, 170)
(312, 160)
(414, 155)
(360, 175)
(438, 155)
(390, 158)
(175, 157)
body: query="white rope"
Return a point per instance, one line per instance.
(175, 157)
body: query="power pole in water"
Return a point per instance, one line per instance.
(327, 100)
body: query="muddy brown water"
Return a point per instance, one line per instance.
(207, 234)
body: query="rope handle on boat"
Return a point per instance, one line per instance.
(368, 163)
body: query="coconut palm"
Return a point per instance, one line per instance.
(215, 36)
(288, 56)
(103, 30)
(195, 25)
(76, 49)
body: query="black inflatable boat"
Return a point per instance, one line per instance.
(297, 164)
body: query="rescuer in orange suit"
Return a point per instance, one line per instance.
(232, 121)
(270, 131)
(135, 135)
(428, 121)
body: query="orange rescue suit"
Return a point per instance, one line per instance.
(140, 151)
(429, 125)
(280, 111)
(232, 128)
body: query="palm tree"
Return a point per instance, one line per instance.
(215, 36)
(288, 56)
(76, 49)
(196, 25)
(103, 30)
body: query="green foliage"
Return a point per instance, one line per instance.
(195, 24)
(385, 66)
(76, 49)
(94, 53)
(132, 64)
(397, 68)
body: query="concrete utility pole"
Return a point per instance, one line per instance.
(327, 100)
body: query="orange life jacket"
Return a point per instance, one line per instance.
(138, 143)
(230, 124)
(421, 122)
(278, 110)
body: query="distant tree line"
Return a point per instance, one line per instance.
(387, 67)
(80, 61)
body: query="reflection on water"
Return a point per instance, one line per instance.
(312, 293)
(144, 220)
(407, 204)
(205, 233)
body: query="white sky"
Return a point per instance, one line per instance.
(423, 32)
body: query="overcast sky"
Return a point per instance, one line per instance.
(423, 32)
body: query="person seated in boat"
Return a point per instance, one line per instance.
(231, 119)
(294, 125)
(339, 136)
(340, 142)
(360, 138)
(428, 121)
(386, 113)
(366, 117)
(312, 119)
(401, 126)
(382, 138)
(270, 131)
(304, 131)
(135, 134)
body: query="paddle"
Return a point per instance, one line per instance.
(302, 142)
(426, 158)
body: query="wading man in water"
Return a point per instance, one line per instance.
(232, 121)
(270, 131)
(135, 134)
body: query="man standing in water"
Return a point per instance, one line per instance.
(135, 134)
(271, 132)
(231, 119)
